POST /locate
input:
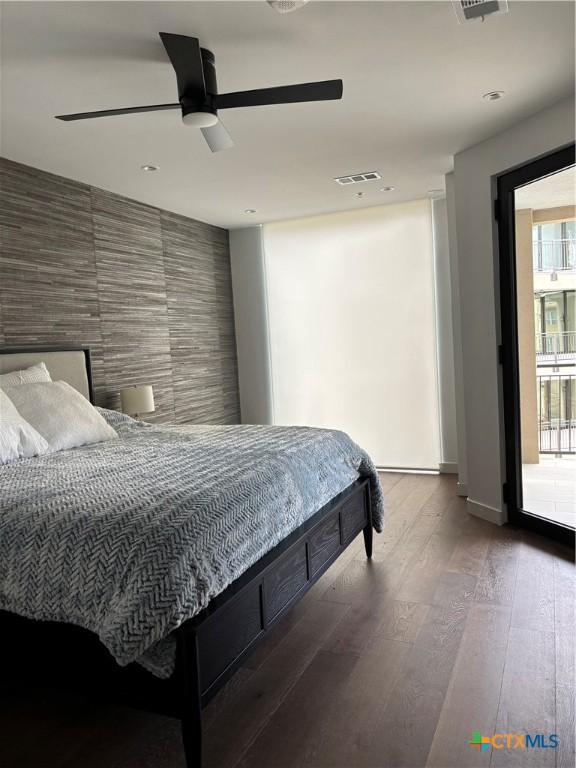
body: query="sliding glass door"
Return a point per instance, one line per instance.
(536, 210)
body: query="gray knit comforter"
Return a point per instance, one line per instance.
(131, 537)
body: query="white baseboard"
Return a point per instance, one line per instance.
(448, 468)
(408, 471)
(461, 488)
(491, 514)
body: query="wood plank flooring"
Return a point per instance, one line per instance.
(455, 626)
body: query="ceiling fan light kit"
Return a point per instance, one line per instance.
(198, 97)
(199, 119)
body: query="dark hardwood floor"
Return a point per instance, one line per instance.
(455, 626)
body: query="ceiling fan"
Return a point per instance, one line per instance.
(198, 97)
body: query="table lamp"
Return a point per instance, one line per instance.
(137, 400)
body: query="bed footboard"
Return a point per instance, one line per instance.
(214, 644)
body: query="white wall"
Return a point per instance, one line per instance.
(445, 340)
(460, 411)
(352, 328)
(474, 172)
(251, 321)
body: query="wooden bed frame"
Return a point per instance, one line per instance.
(210, 646)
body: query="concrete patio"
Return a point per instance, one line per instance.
(550, 488)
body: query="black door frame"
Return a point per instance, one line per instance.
(504, 209)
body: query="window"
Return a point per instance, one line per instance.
(352, 329)
(554, 246)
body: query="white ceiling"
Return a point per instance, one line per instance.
(553, 191)
(413, 85)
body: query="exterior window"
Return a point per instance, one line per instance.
(554, 251)
(551, 319)
(554, 246)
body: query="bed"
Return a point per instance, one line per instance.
(250, 519)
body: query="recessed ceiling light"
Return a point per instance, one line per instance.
(250, 210)
(149, 168)
(493, 95)
(387, 189)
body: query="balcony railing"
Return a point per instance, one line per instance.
(554, 255)
(557, 437)
(555, 347)
(557, 414)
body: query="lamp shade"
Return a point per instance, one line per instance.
(137, 400)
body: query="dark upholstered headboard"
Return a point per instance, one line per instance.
(70, 364)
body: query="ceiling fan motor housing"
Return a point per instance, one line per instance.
(202, 114)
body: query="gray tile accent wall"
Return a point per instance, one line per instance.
(148, 291)
(132, 295)
(201, 321)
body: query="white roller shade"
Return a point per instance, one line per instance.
(352, 329)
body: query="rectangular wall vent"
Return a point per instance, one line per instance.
(468, 10)
(357, 178)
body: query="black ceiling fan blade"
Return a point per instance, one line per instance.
(112, 112)
(284, 94)
(184, 53)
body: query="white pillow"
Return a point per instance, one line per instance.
(18, 440)
(63, 416)
(35, 373)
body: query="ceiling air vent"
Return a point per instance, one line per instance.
(468, 10)
(357, 178)
(286, 6)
